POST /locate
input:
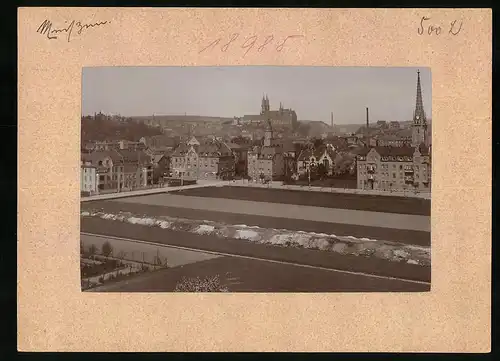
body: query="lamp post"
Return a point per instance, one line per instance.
(309, 174)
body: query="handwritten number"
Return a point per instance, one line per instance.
(233, 38)
(250, 45)
(434, 29)
(212, 44)
(280, 47)
(267, 41)
(421, 29)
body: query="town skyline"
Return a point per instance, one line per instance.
(389, 92)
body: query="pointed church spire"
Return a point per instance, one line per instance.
(419, 114)
(419, 131)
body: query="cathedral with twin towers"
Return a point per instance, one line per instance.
(281, 117)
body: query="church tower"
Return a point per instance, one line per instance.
(263, 106)
(419, 126)
(268, 135)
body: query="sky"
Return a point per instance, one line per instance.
(313, 92)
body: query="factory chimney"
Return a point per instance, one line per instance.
(367, 120)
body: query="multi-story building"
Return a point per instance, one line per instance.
(115, 145)
(402, 167)
(266, 161)
(391, 140)
(210, 160)
(118, 170)
(394, 168)
(394, 125)
(89, 180)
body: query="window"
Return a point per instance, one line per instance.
(394, 166)
(400, 167)
(393, 175)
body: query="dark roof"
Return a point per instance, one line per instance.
(135, 156)
(407, 132)
(394, 151)
(388, 137)
(233, 145)
(317, 153)
(99, 155)
(209, 149)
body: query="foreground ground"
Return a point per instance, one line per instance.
(264, 272)
(255, 266)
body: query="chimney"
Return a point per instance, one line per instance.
(332, 118)
(367, 119)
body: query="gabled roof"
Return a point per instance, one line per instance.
(209, 149)
(99, 155)
(317, 153)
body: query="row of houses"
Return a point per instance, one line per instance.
(106, 170)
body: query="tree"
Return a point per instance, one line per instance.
(344, 164)
(107, 249)
(318, 142)
(303, 129)
(92, 250)
(322, 171)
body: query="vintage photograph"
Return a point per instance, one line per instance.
(256, 179)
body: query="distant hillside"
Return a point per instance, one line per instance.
(183, 118)
(104, 129)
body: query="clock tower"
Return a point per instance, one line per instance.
(419, 126)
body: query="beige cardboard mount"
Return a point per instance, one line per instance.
(54, 315)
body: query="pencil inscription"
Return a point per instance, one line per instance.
(259, 44)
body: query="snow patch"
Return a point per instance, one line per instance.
(85, 214)
(141, 221)
(321, 244)
(245, 226)
(164, 224)
(412, 261)
(246, 234)
(204, 229)
(400, 253)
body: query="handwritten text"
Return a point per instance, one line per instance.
(46, 29)
(428, 28)
(258, 44)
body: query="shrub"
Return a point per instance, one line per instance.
(92, 249)
(208, 284)
(107, 249)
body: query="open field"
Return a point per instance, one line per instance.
(173, 220)
(244, 248)
(364, 202)
(247, 275)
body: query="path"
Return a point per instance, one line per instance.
(141, 192)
